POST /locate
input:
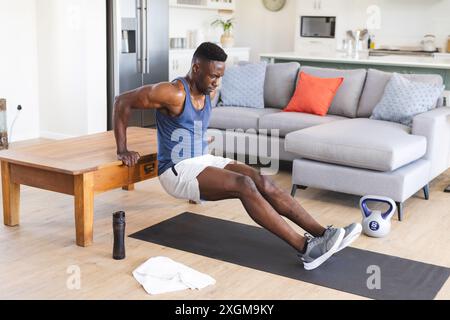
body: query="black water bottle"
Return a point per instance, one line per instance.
(119, 235)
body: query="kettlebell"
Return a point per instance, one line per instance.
(375, 223)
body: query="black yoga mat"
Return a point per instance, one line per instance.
(360, 272)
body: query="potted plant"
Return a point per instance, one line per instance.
(227, 39)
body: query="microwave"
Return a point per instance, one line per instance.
(317, 27)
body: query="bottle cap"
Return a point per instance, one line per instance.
(119, 217)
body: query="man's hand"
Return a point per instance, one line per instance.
(129, 158)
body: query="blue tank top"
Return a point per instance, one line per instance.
(182, 137)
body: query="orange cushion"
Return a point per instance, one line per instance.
(314, 95)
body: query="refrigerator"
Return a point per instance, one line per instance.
(138, 51)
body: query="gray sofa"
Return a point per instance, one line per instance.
(344, 151)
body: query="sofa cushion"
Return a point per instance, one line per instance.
(347, 98)
(288, 122)
(243, 85)
(404, 99)
(281, 79)
(238, 117)
(376, 84)
(361, 143)
(314, 95)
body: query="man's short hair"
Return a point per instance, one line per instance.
(211, 52)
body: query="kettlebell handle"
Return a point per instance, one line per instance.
(387, 215)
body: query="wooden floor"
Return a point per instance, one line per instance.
(35, 257)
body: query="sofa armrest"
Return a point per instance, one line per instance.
(434, 125)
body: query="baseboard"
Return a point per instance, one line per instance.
(54, 135)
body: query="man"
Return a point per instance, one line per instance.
(187, 171)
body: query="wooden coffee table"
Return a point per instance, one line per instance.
(81, 167)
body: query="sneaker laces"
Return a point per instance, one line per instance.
(312, 239)
(308, 236)
(329, 228)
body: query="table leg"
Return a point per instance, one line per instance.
(11, 197)
(130, 187)
(84, 208)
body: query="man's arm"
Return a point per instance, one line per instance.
(212, 96)
(163, 95)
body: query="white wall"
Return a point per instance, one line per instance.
(72, 67)
(96, 65)
(262, 30)
(18, 66)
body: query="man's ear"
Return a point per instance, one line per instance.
(196, 67)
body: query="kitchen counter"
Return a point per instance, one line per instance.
(438, 62)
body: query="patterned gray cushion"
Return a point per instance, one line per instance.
(243, 85)
(376, 83)
(403, 99)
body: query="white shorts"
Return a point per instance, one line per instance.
(181, 180)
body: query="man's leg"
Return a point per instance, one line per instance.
(279, 199)
(218, 184)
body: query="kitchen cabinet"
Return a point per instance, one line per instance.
(318, 7)
(226, 5)
(180, 60)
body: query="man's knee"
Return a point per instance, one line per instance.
(240, 184)
(246, 185)
(268, 186)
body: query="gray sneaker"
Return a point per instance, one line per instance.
(352, 232)
(319, 249)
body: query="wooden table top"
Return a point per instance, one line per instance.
(83, 154)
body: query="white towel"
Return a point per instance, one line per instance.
(162, 275)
